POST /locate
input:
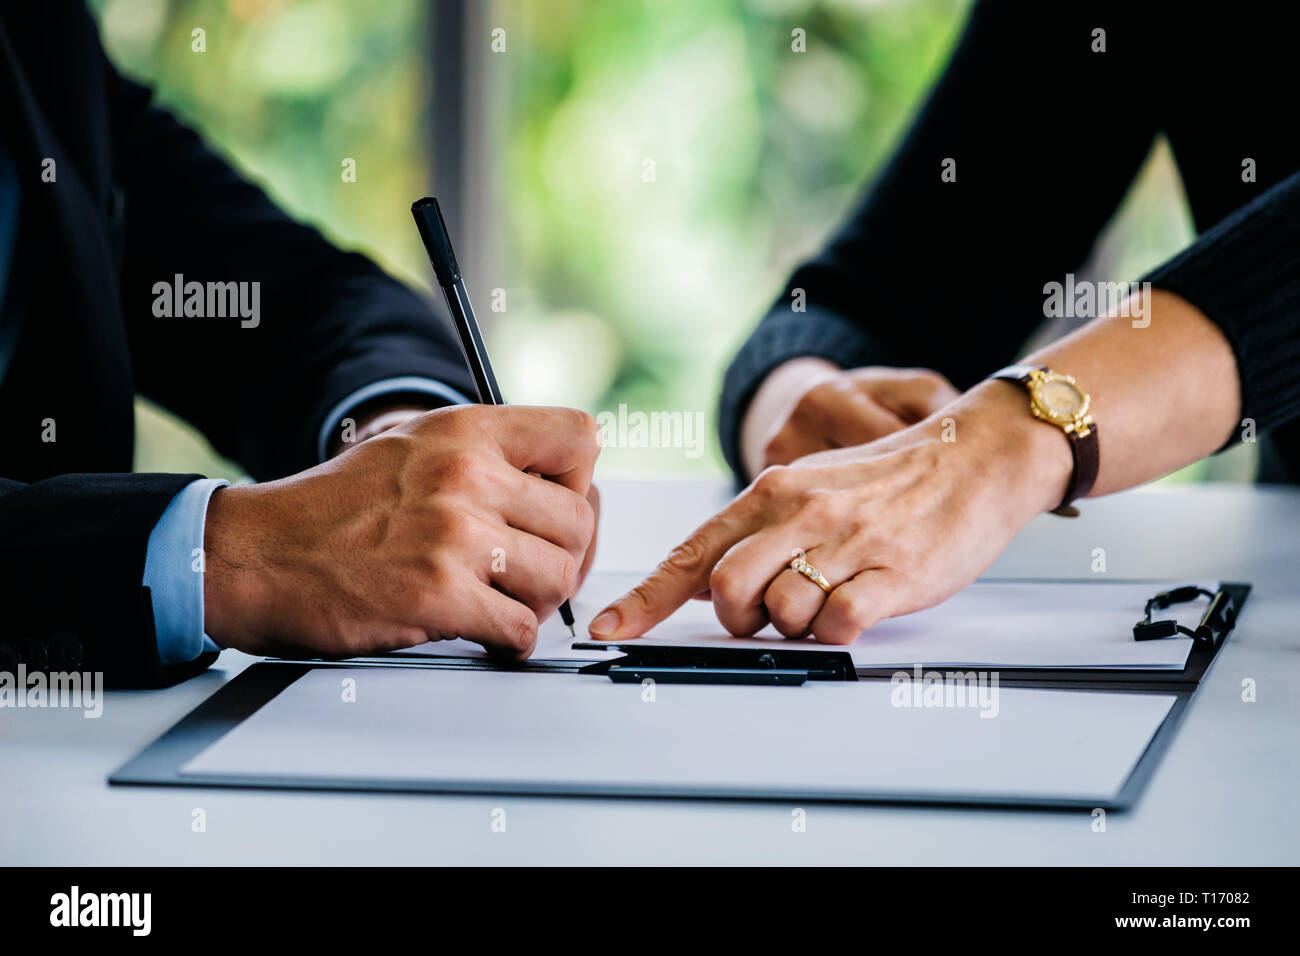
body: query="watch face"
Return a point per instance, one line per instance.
(1060, 400)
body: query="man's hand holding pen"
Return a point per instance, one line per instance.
(430, 530)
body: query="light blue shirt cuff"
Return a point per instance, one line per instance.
(173, 573)
(389, 386)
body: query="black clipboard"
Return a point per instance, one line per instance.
(696, 663)
(162, 761)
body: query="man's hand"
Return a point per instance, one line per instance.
(895, 526)
(809, 405)
(437, 528)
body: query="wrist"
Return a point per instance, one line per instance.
(1027, 458)
(233, 585)
(369, 422)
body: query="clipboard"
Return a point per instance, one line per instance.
(679, 662)
(792, 676)
(1215, 624)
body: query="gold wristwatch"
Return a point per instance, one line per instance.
(1058, 399)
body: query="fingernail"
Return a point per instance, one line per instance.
(605, 624)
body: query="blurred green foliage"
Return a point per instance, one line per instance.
(659, 166)
(667, 163)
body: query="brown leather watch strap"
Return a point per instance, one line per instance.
(1087, 461)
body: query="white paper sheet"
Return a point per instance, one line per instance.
(1040, 624)
(571, 733)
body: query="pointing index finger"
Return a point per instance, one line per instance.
(677, 579)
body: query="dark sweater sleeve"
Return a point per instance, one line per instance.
(1244, 274)
(950, 275)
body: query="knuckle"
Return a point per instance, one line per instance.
(828, 632)
(583, 421)
(640, 599)
(580, 422)
(825, 509)
(521, 632)
(850, 611)
(456, 525)
(465, 419)
(459, 467)
(773, 483)
(782, 606)
(584, 519)
(566, 578)
(493, 479)
(725, 584)
(435, 420)
(688, 558)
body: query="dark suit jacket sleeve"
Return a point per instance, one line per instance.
(330, 321)
(949, 274)
(73, 549)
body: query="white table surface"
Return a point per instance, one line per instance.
(1224, 793)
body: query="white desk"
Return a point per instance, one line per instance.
(1223, 794)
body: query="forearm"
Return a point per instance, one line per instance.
(1163, 395)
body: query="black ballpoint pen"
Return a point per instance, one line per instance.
(433, 230)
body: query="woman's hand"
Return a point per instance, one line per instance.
(809, 405)
(895, 526)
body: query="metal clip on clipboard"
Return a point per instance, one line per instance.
(722, 665)
(1216, 622)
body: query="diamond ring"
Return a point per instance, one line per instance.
(811, 573)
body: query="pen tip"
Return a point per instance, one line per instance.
(572, 631)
